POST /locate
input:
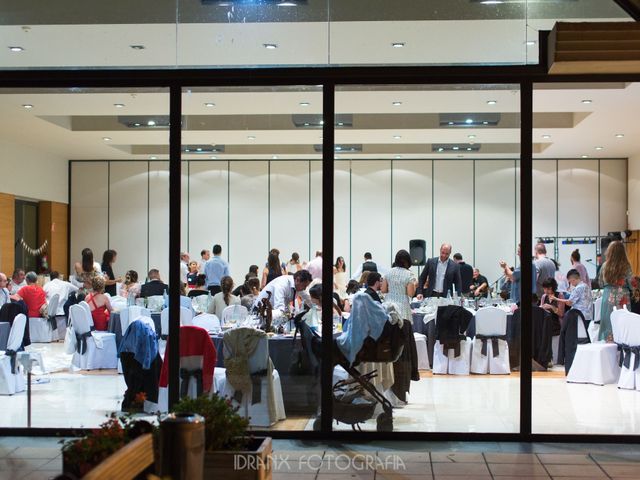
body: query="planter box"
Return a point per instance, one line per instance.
(251, 464)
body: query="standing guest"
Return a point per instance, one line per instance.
(314, 267)
(283, 290)
(130, 287)
(87, 268)
(513, 275)
(224, 298)
(479, 284)
(99, 304)
(374, 283)
(615, 277)
(32, 294)
(369, 265)
(252, 287)
(466, 273)
(575, 263)
(108, 259)
(545, 267)
(154, 286)
(580, 297)
(272, 270)
(340, 277)
(205, 255)
(560, 278)
(293, 265)
(215, 269)
(5, 295)
(17, 281)
(364, 277)
(400, 285)
(192, 276)
(441, 276)
(553, 307)
(57, 286)
(200, 287)
(184, 266)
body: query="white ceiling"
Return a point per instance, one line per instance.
(612, 111)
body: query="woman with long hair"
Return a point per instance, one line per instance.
(86, 269)
(582, 270)
(615, 276)
(130, 287)
(294, 265)
(110, 281)
(272, 270)
(340, 278)
(224, 298)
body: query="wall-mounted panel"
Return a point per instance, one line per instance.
(371, 210)
(315, 210)
(248, 217)
(158, 219)
(289, 207)
(577, 197)
(342, 217)
(89, 209)
(545, 201)
(128, 192)
(613, 196)
(208, 206)
(495, 235)
(453, 206)
(411, 204)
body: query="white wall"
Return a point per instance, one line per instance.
(33, 174)
(634, 193)
(249, 207)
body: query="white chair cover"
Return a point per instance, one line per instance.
(155, 303)
(421, 348)
(626, 333)
(40, 330)
(490, 321)
(87, 309)
(444, 363)
(200, 303)
(11, 383)
(186, 316)
(53, 305)
(234, 314)
(257, 413)
(101, 349)
(129, 314)
(186, 319)
(118, 303)
(595, 363)
(594, 328)
(208, 321)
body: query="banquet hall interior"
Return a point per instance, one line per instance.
(88, 168)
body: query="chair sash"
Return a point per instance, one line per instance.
(451, 344)
(53, 322)
(494, 343)
(81, 342)
(256, 390)
(625, 356)
(12, 354)
(185, 375)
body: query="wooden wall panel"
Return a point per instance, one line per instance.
(633, 251)
(53, 226)
(7, 233)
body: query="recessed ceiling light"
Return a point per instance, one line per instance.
(338, 148)
(456, 148)
(137, 47)
(151, 123)
(270, 46)
(275, 157)
(153, 157)
(485, 123)
(27, 106)
(546, 136)
(209, 104)
(468, 120)
(213, 157)
(450, 123)
(304, 104)
(584, 156)
(530, 43)
(398, 44)
(340, 124)
(491, 102)
(287, 4)
(440, 149)
(599, 148)
(106, 139)
(251, 137)
(136, 124)
(118, 105)
(16, 49)
(396, 104)
(471, 136)
(586, 101)
(619, 135)
(398, 156)
(321, 122)
(397, 137)
(469, 148)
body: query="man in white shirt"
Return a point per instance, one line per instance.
(60, 287)
(4, 291)
(17, 281)
(184, 266)
(205, 256)
(441, 276)
(315, 266)
(283, 290)
(369, 265)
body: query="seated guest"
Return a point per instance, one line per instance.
(185, 301)
(374, 281)
(224, 298)
(5, 295)
(479, 286)
(283, 291)
(32, 294)
(109, 257)
(87, 268)
(580, 297)
(244, 289)
(155, 286)
(61, 288)
(99, 304)
(353, 287)
(253, 288)
(554, 308)
(192, 276)
(294, 265)
(200, 287)
(363, 278)
(315, 294)
(130, 287)
(17, 281)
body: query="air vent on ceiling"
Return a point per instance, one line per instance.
(351, 148)
(202, 149)
(455, 147)
(456, 120)
(300, 120)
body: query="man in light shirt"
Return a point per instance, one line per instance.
(17, 281)
(283, 290)
(545, 267)
(4, 291)
(315, 266)
(184, 266)
(215, 269)
(440, 276)
(205, 256)
(60, 287)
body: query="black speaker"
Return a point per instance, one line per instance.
(418, 252)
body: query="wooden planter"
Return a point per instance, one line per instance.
(251, 464)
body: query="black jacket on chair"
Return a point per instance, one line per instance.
(153, 288)
(569, 341)
(452, 322)
(451, 277)
(8, 313)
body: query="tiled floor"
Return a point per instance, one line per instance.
(39, 459)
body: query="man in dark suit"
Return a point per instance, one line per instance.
(154, 286)
(441, 275)
(466, 273)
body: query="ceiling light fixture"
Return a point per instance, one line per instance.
(456, 148)
(16, 49)
(304, 104)
(397, 137)
(471, 136)
(153, 157)
(491, 102)
(599, 148)
(106, 139)
(398, 156)
(209, 104)
(151, 123)
(396, 104)
(619, 135)
(270, 46)
(251, 137)
(530, 43)
(586, 101)
(546, 136)
(287, 4)
(137, 47)
(275, 157)
(213, 157)
(398, 44)
(118, 105)
(27, 106)
(584, 156)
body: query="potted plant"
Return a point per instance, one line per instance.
(80, 456)
(229, 452)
